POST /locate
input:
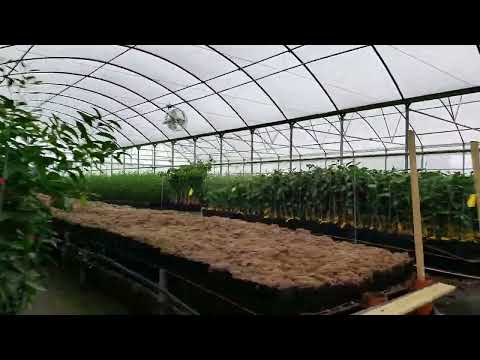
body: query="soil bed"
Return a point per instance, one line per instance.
(247, 259)
(451, 255)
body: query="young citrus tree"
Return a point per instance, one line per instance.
(39, 156)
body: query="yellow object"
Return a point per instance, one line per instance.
(190, 192)
(472, 200)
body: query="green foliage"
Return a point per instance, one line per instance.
(188, 182)
(381, 198)
(33, 161)
(130, 187)
(344, 195)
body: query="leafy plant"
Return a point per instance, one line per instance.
(130, 187)
(39, 157)
(355, 196)
(188, 182)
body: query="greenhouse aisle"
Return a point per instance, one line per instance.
(65, 296)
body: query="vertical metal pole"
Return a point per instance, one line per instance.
(243, 171)
(291, 147)
(154, 158)
(260, 167)
(173, 154)
(386, 156)
(194, 150)
(111, 165)
(138, 160)
(463, 159)
(342, 116)
(228, 167)
(355, 208)
(300, 162)
(251, 151)
(278, 164)
(407, 127)
(421, 159)
(221, 154)
(124, 163)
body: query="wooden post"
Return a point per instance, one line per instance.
(476, 172)
(417, 217)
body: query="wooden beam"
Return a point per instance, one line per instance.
(417, 217)
(476, 171)
(407, 304)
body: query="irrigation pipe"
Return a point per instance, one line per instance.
(138, 277)
(152, 284)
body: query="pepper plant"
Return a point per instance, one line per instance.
(188, 182)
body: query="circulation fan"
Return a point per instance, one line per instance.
(175, 118)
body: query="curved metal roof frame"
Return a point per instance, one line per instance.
(218, 93)
(83, 76)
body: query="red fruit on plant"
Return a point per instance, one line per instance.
(3, 181)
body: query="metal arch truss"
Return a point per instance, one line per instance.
(221, 144)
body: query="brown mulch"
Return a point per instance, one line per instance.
(264, 254)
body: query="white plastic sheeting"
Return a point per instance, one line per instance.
(227, 87)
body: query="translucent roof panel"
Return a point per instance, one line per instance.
(355, 78)
(430, 69)
(236, 88)
(196, 59)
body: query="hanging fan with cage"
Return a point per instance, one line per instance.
(175, 118)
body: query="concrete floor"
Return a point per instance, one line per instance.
(65, 296)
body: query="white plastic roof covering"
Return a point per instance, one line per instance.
(225, 87)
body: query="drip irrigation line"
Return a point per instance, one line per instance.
(426, 268)
(472, 261)
(452, 273)
(388, 246)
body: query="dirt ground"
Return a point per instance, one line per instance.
(265, 254)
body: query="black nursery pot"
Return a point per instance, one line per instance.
(247, 296)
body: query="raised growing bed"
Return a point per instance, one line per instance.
(156, 205)
(267, 268)
(451, 255)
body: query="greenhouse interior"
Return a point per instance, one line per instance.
(240, 179)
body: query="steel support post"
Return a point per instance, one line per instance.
(194, 150)
(154, 158)
(407, 127)
(251, 151)
(291, 148)
(342, 135)
(138, 160)
(221, 154)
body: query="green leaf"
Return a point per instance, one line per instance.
(87, 118)
(83, 130)
(107, 135)
(35, 286)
